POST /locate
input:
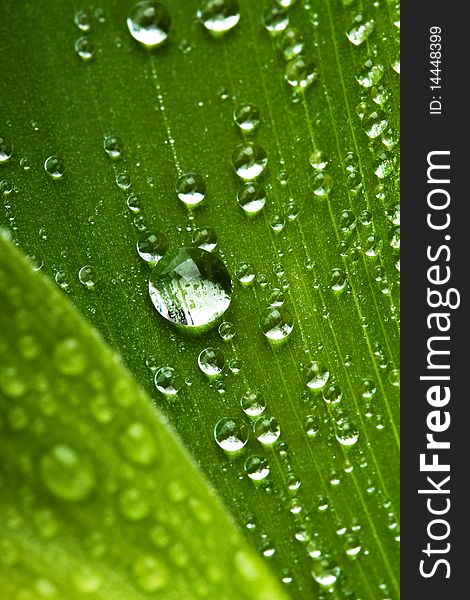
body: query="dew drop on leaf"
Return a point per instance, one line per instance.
(247, 117)
(151, 574)
(219, 16)
(317, 375)
(6, 148)
(318, 160)
(190, 287)
(266, 430)
(360, 32)
(300, 72)
(205, 238)
(211, 362)
(290, 43)
(69, 358)
(152, 246)
(137, 444)
(251, 197)
(54, 167)
(85, 48)
(231, 434)
(191, 189)
(113, 146)
(276, 323)
(82, 20)
(320, 183)
(249, 160)
(256, 467)
(133, 504)
(226, 331)
(167, 381)
(66, 473)
(88, 276)
(252, 403)
(275, 19)
(149, 23)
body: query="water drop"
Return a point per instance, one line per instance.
(252, 403)
(211, 362)
(277, 222)
(359, 33)
(275, 19)
(149, 23)
(152, 246)
(190, 287)
(219, 16)
(394, 377)
(69, 357)
(251, 197)
(300, 72)
(138, 445)
(113, 146)
(54, 167)
(123, 181)
(332, 394)
(167, 381)
(226, 331)
(6, 148)
(311, 426)
(324, 573)
(267, 430)
(276, 323)
(88, 276)
(246, 116)
(133, 203)
(231, 434)
(338, 280)
(150, 573)
(369, 389)
(205, 238)
(245, 273)
(85, 48)
(347, 220)
(318, 160)
(249, 160)
(256, 467)
(320, 183)
(290, 43)
(67, 474)
(292, 211)
(133, 504)
(346, 433)
(82, 20)
(235, 365)
(317, 375)
(191, 189)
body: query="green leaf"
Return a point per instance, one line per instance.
(329, 506)
(98, 498)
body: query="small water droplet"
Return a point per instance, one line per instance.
(275, 19)
(249, 160)
(190, 287)
(167, 381)
(219, 16)
(151, 247)
(247, 117)
(133, 204)
(191, 189)
(211, 362)
(133, 504)
(231, 434)
(325, 573)
(320, 183)
(6, 148)
(267, 430)
(85, 48)
(82, 20)
(276, 323)
(317, 375)
(277, 222)
(290, 43)
(66, 473)
(113, 146)
(360, 32)
(251, 197)
(138, 445)
(123, 181)
(253, 404)
(69, 357)
(300, 72)
(54, 167)
(318, 160)
(205, 238)
(245, 273)
(256, 467)
(226, 331)
(149, 23)
(88, 276)
(150, 573)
